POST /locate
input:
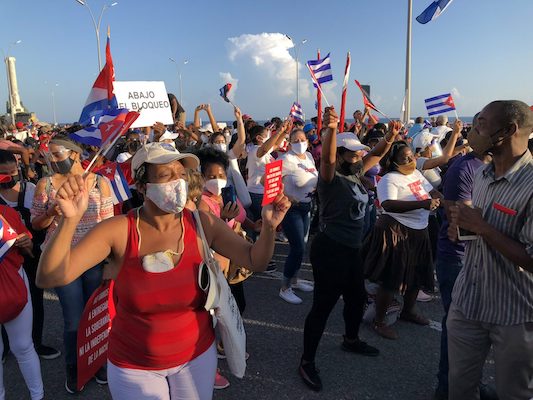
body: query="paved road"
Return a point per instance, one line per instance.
(405, 369)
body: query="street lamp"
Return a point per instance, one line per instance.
(178, 66)
(97, 25)
(296, 52)
(10, 97)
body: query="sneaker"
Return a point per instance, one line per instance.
(359, 347)
(423, 297)
(101, 376)
(280, 237)
(272, 267)
(289, 296)
(47, 352)
(71, 382)
(303, 286)
(220, 381)
(310, 376)
(384, 330)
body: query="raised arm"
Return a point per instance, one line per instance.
(197, 115)
(272, 140)
(212, 119)
(328, 158)
(59, 263)
(383, 147)
(448, 151)
(226, 243)
(238, 147)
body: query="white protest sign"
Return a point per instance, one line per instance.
(150, 96)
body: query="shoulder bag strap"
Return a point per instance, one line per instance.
(208, 255)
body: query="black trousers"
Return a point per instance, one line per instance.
(337, 270)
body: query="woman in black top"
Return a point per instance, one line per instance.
(337, 267)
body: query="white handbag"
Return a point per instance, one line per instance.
(220, 300)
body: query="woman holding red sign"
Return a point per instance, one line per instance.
(161, 343)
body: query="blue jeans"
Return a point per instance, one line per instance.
(73, 298)
(254, 211)
(296, 228)
(447, 272)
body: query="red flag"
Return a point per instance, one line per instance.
(344, 90)
(318, 106)
(366, 98)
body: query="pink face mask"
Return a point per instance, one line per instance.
(169, 197)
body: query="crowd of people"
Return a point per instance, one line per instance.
(387, 207)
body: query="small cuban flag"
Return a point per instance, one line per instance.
(224, 91)
(440, 104)
(7, 237)
(113, 173)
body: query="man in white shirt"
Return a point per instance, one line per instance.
(442, 128)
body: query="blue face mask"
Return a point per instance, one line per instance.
(313, 138)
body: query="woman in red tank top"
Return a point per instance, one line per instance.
(161, 342)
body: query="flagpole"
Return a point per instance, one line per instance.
(317, 84)
(408, 61)
(318, 105)
(344, 90)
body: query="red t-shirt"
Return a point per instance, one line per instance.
(13, 258)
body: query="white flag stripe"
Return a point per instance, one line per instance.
(6, 246)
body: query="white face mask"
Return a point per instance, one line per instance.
(169, 197)
(299, 147)
(215, 186)
(223, 147)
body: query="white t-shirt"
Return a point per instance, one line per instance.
(432, 175)
(440, 132)
(256, 169)
(414, 187)
(123, 157)
(300, 176)
(28, 197)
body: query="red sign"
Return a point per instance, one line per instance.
(272, 181)
(93, 332)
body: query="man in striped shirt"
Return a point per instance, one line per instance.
(492, 301)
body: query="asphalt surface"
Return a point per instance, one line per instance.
(406, 368)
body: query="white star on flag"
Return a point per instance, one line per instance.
(11, 231)
(108, 170)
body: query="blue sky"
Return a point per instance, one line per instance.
(482, 48)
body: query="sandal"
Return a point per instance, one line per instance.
(414, 318)
(384, 330)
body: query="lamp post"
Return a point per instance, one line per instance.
(97, 25)
(296, 53)
(54, 103)
(10, 97)
(178, 66)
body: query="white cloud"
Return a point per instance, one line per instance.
(270, 53)
(227, 78)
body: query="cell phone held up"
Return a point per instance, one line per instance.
(228, 195)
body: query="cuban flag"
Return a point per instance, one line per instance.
(320, 70)
(7, 237)
(102, 95)
(111, 125)
(224, 90)
(433, 11)
(440, 104)
(113, 173)
(297, 112)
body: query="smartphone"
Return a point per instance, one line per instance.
(463, 234)
(228, 195)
